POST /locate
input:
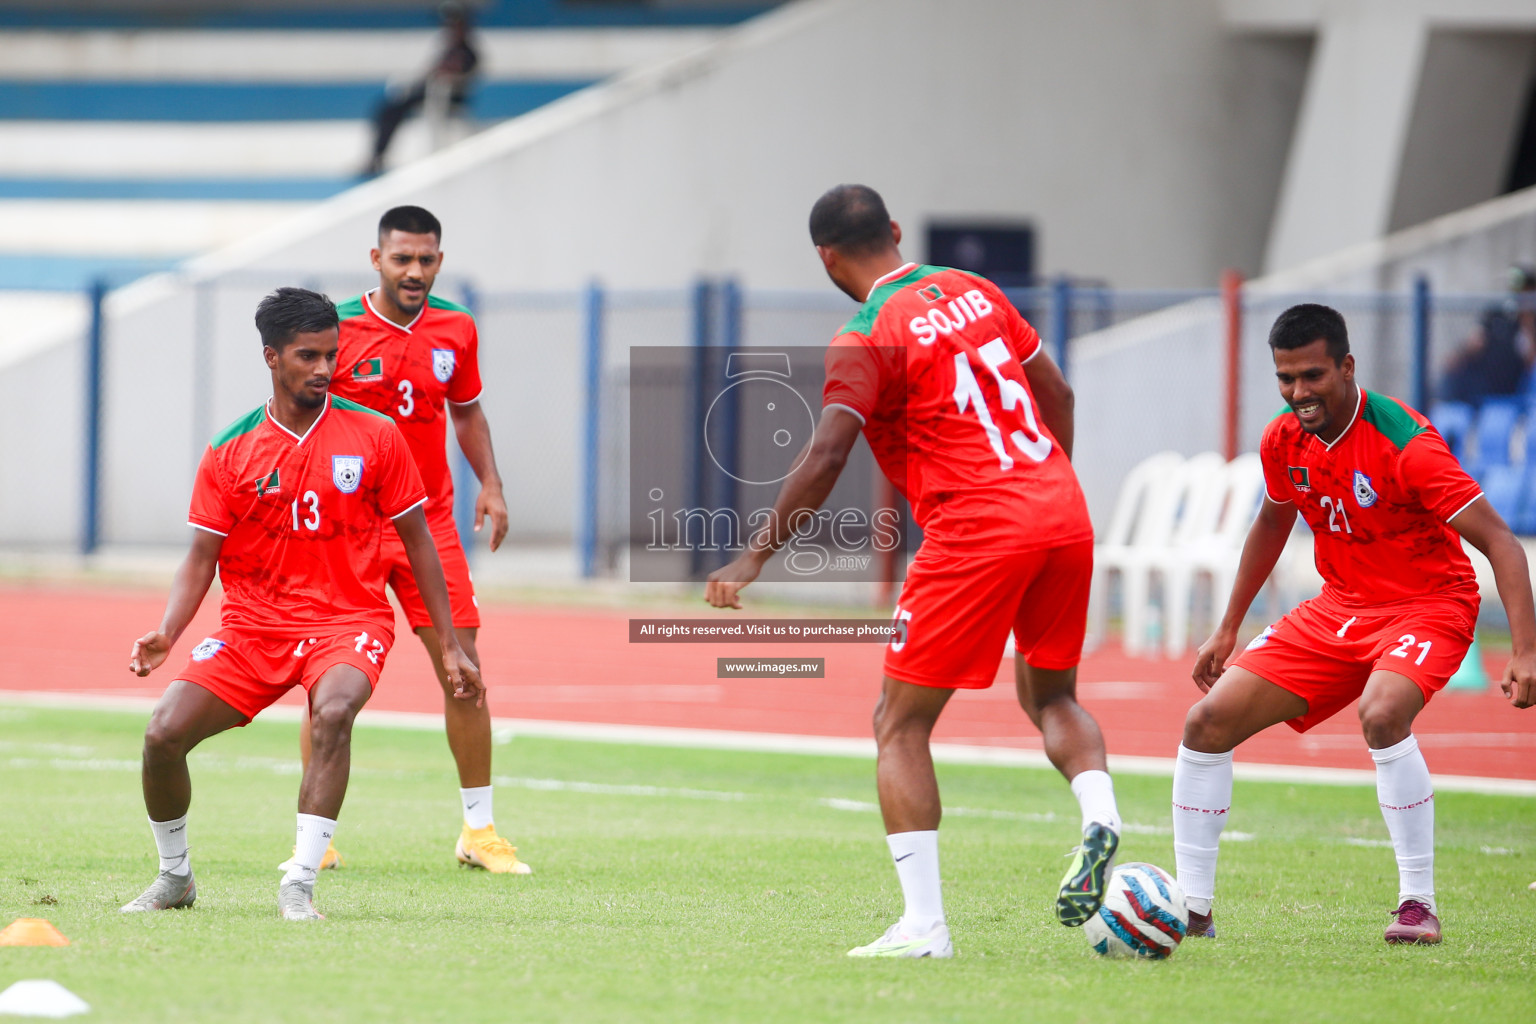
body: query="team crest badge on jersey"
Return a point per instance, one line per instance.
(442, 364)
(932, 293)
(346, 472)
(1299, 478)
(207, 649)
(368, 370)
(268, 484)
(1365, 494)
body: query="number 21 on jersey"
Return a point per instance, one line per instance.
(968, 395)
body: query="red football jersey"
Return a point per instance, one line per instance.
(1378, 501)
(933, 365)
(409, 373)
(303, 517)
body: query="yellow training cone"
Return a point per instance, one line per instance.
(32, 931)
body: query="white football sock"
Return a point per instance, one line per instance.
(916, 855)
(1202, 796)
(314, 835)
(477, 806)
(1095, 792)
(1407, 799)
(171, 841)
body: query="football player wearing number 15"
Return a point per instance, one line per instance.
(943, 377)
(1388, 506)
(291, 506)
(415, 357)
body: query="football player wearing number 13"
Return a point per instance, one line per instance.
(291, 505)
(1388, 506)
(943, 376)
(415, 358)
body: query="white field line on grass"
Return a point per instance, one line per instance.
(783, 743)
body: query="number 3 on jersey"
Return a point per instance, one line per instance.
(968, 394)
(407, 399)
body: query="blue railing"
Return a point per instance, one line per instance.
(716, 316)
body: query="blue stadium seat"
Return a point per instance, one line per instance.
(1504, 487)
(1525, 519)
(1454, 421)
(1495, 423)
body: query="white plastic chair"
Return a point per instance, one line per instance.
(1212, 548)
(1138, 516)
(1187, 507)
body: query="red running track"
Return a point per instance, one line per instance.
(576, 664)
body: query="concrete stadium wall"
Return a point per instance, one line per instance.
(1124, 131)
(710, 162)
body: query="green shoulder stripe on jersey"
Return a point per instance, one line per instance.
(346, 403)
(244, 425)
(1390, 420)
(864, 319)
(1283, 410)
(351, 308)
(438, 302)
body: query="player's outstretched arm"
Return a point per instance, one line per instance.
(1266, 540)
(428, 570)
(1486, 530)
(1054, 397)
(474, 434)
(187, 592)
(802, 494)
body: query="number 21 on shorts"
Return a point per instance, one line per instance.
(1408, 640)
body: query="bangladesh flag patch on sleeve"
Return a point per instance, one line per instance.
(368, 370)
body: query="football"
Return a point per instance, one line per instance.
(1143, 914)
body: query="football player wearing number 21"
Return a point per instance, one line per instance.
(1388, 506)
(944, 377)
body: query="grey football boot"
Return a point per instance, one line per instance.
(167, 892)
(296, 899)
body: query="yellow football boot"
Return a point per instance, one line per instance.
(332, 859)
(483, 848)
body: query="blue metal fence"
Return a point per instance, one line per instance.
(581, 340)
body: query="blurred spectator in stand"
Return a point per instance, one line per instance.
(452, 72)
(1497, 358)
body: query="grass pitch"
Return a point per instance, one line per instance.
(686, 885)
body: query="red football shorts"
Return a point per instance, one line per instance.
(1324, 653)
(955, 614)
(461, 589)
(249, 671)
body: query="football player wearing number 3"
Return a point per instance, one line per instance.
(291, 506)
(1388, 506)
(972, 422)
(415, 357)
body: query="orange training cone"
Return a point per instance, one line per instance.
(32, 931)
